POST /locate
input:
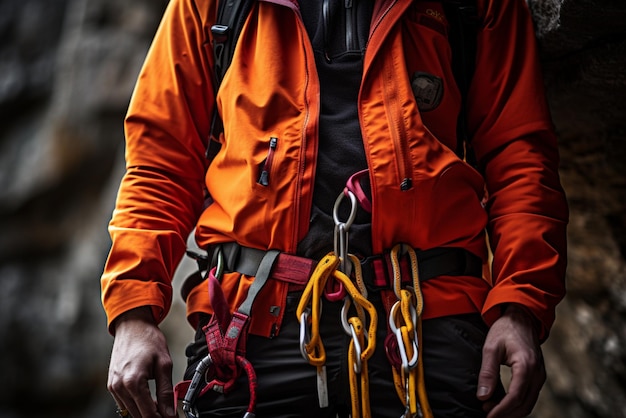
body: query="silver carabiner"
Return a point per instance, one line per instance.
(351, 332)
(305, 336)
(190, 397)
(407, 364)
(342, 230)
(219, 268)
(357, 349)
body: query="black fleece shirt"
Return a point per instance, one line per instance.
(338, 30)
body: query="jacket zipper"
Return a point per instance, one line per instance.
(264, 178)
(398, 130)
(302, 224)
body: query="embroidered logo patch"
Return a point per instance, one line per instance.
(428, 90)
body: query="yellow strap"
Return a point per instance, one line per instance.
(312, 294)
(357, 391)
(421, 385)
(361, 303)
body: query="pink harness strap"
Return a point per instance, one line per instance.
(354, 185)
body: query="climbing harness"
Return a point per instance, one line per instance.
(339, 276)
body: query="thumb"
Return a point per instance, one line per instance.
(489, 374)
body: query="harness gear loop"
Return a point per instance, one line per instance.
(406, 326)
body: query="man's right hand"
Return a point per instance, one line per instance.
(140, 354)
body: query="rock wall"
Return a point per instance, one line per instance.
(585, 72)
(67, 68)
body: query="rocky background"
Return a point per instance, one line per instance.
(67, 68)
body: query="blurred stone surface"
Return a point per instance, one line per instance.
(67, 68)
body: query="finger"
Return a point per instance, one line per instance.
(116, 389)
(509, 406)
(134, 395)
(145, 405)
(534, 390)
(120, 409)
(124, 399)
(519, 400)
(164, 389)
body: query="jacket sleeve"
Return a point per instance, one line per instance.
(516, 146)
(161, 193)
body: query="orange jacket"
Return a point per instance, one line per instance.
(271, 90)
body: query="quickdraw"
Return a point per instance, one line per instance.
(360, 350)
(405, 338)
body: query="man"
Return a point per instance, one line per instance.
(316, 92)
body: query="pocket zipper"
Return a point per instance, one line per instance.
(264, 178)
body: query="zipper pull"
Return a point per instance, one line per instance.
(264, 178)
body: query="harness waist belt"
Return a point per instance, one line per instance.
(432, 263)
(376, 270)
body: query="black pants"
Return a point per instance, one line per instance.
(287, 384)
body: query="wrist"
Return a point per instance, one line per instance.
(142, 315)
(521, 314)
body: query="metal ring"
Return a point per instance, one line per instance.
(353, 209)
(122, 412)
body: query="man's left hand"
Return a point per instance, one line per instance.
(512, 341)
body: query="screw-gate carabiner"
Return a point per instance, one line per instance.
(192, 392)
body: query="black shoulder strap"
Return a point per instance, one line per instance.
(231, 15)
(463, 18)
